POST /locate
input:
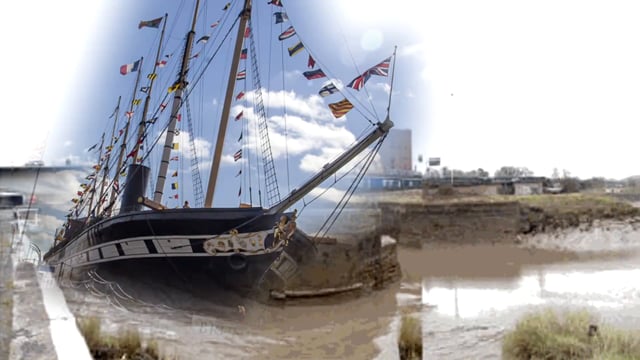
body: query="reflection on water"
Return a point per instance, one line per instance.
(321, 328)
(467, 315)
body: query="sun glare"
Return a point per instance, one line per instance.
(47, 52)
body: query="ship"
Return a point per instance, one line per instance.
(197, 246)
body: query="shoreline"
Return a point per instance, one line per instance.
(417, 221)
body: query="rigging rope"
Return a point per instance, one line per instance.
(351, 190)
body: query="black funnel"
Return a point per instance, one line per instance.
(135, 187)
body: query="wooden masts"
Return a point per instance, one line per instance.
(244, 18)
(179, 86)
(147, 100)
(123, 144)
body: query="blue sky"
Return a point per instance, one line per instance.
(486, 84)
(343, 42)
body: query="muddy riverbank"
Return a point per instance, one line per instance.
(414, 220)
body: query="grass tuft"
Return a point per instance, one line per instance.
(550, 335)
(410, 338)
(128, 344)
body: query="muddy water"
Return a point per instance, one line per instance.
(472, 295)
(192, 328)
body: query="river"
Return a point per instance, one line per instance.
(473, 295)
(324, 328)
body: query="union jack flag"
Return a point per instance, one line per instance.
(358, 82)
(381, 69)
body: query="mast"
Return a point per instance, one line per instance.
(105, 172)
(382, 128)
(92, 189)
(147, 100)
(123, 145)
(244, 17)
(332, 167)
(175, 107)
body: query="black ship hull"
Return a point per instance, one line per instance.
(199, 249)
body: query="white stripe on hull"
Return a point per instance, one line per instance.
(172, 246)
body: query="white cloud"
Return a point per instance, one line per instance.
(310, 128)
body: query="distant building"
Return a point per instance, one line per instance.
(395, 153)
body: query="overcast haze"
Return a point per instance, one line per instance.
(538, 84)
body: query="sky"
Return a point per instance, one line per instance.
(487, 84)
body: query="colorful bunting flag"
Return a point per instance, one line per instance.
(359, 82)
(144, 89)
(311, 63)
(116, 185)
(314, 74)
(155, 23)
(161, 63)
(328, 90)
(247, 32)
(241, 75)
(243, 54)
(340, 108)
(132, 153)
(239, 116)
(281, 17)
(239, 173)
(240, 95)
(174, 87)
(129, 68)
(152, 76)
(136, 101)
(174, 186)
(175, 158)
(175, 174)
(287, 33)
(381, 69)
(175, 196)
(175, 146)
(240, 138)
(275, 2)
(162, 106)
(226, 7)
(152, 121)
(92, 147)
(128, 114)
(215, 24)
(238, 155)
(204, 39)
(296, 48)
(195, 56)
